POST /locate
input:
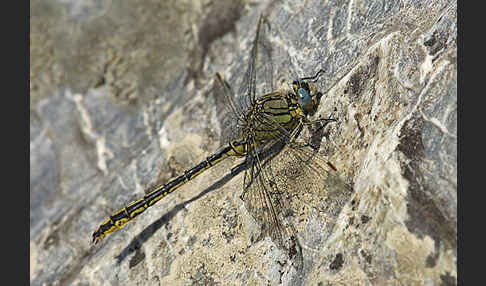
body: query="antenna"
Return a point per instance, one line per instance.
(313, 78)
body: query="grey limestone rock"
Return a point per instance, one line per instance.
(122, 98)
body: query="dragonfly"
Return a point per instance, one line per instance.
(280, 168)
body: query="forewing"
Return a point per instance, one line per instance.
(258, 78)
(264, 201)
(256, 81)
(286, 186)
(311, 184)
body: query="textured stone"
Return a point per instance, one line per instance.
(122, 98)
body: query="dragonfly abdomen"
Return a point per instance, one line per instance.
(120, 218)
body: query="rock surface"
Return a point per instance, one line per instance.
(122, 99)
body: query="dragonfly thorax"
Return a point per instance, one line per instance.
(269, 116)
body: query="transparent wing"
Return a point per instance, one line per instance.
(259, 66)
(232, 115)
(306, 176)
(264, 201)
(283, 184)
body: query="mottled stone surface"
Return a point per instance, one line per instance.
(122, 98)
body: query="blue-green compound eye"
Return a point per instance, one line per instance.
(303, 98)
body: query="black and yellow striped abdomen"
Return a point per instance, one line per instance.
(120, 218)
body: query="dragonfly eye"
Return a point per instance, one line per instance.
(303, 98)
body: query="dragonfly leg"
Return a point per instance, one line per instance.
(295, 133)
(325, 120)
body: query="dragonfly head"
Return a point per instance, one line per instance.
(307, 96)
